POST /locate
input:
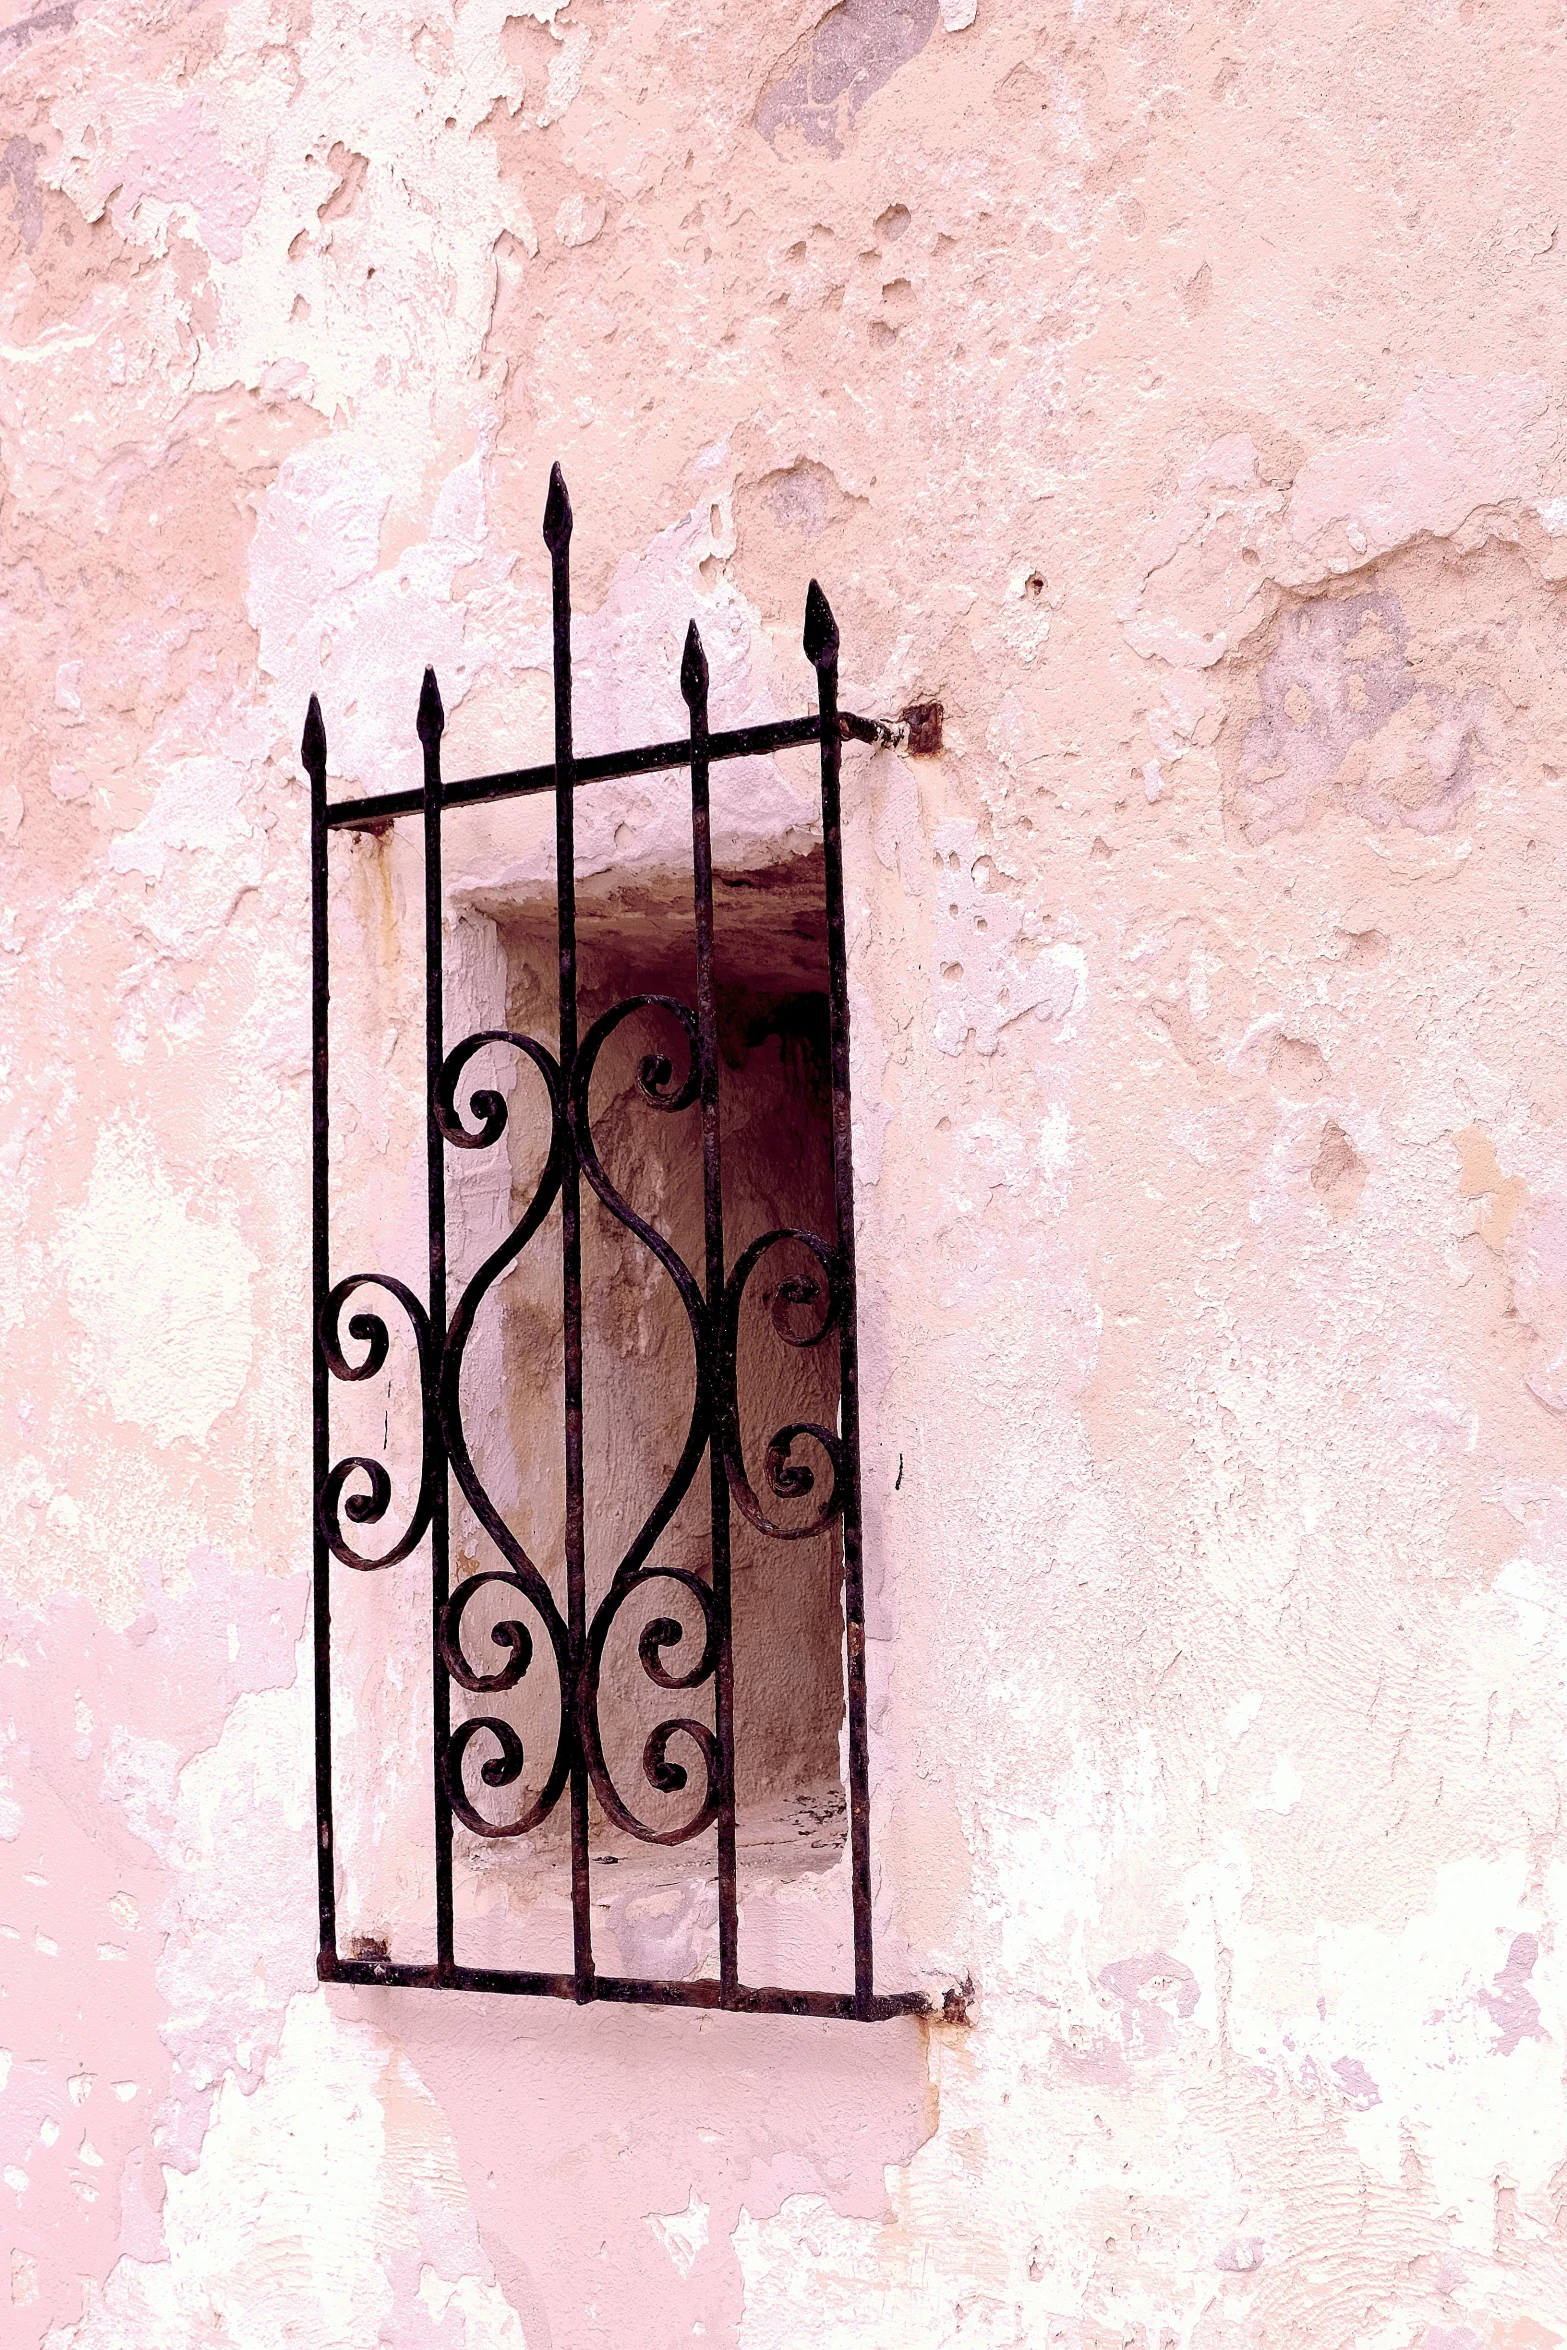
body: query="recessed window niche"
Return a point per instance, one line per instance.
(635, 937)
(638, 1358)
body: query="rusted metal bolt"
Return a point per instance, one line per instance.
(923, 720)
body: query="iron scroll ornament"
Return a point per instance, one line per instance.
(540, 1632)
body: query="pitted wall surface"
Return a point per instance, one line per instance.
(1173, 390)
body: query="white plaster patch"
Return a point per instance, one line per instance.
(1199, 571)
(197, 807)
(1457, 444)
(177, 165)
(806, 2274)
(989, 970)
(318, 534)
(683, 2234)
(1411, 2031)
(324, 2249)
(1242, 1714)
(579, 220)
(165, 1299)
(142, 1776)
(1459, 447)
(333, 623)
(489, 2321)
(567, 68)
(1284, 1790)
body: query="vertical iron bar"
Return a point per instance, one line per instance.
(693, 685)
(821, 650)
(312, 751)
(557, 537)
(431, 726)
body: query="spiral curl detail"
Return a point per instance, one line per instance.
(787, 1479)
(491, 1111)
(368, 1508)
(501, 1770)
(658, 1635)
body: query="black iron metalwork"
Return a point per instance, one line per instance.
(576, 1635)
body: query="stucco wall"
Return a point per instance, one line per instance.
(1175, 392)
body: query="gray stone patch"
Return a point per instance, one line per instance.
(1343, 712)
(19, 166)
(853, 52)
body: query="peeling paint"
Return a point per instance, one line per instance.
(1174, 397)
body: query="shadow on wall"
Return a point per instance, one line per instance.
(135, 1974)
(608, 2153)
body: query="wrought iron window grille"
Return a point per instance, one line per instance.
(355, 1491)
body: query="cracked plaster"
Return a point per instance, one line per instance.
(1172, 392)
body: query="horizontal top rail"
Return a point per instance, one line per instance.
(742, 742)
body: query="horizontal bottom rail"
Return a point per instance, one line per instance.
(623, 1990)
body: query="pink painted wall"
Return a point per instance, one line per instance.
(1174, 391)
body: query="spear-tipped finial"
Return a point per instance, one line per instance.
(312, 747)
(693, 669)
(432, 715)
(821, 630)
(557, 512)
